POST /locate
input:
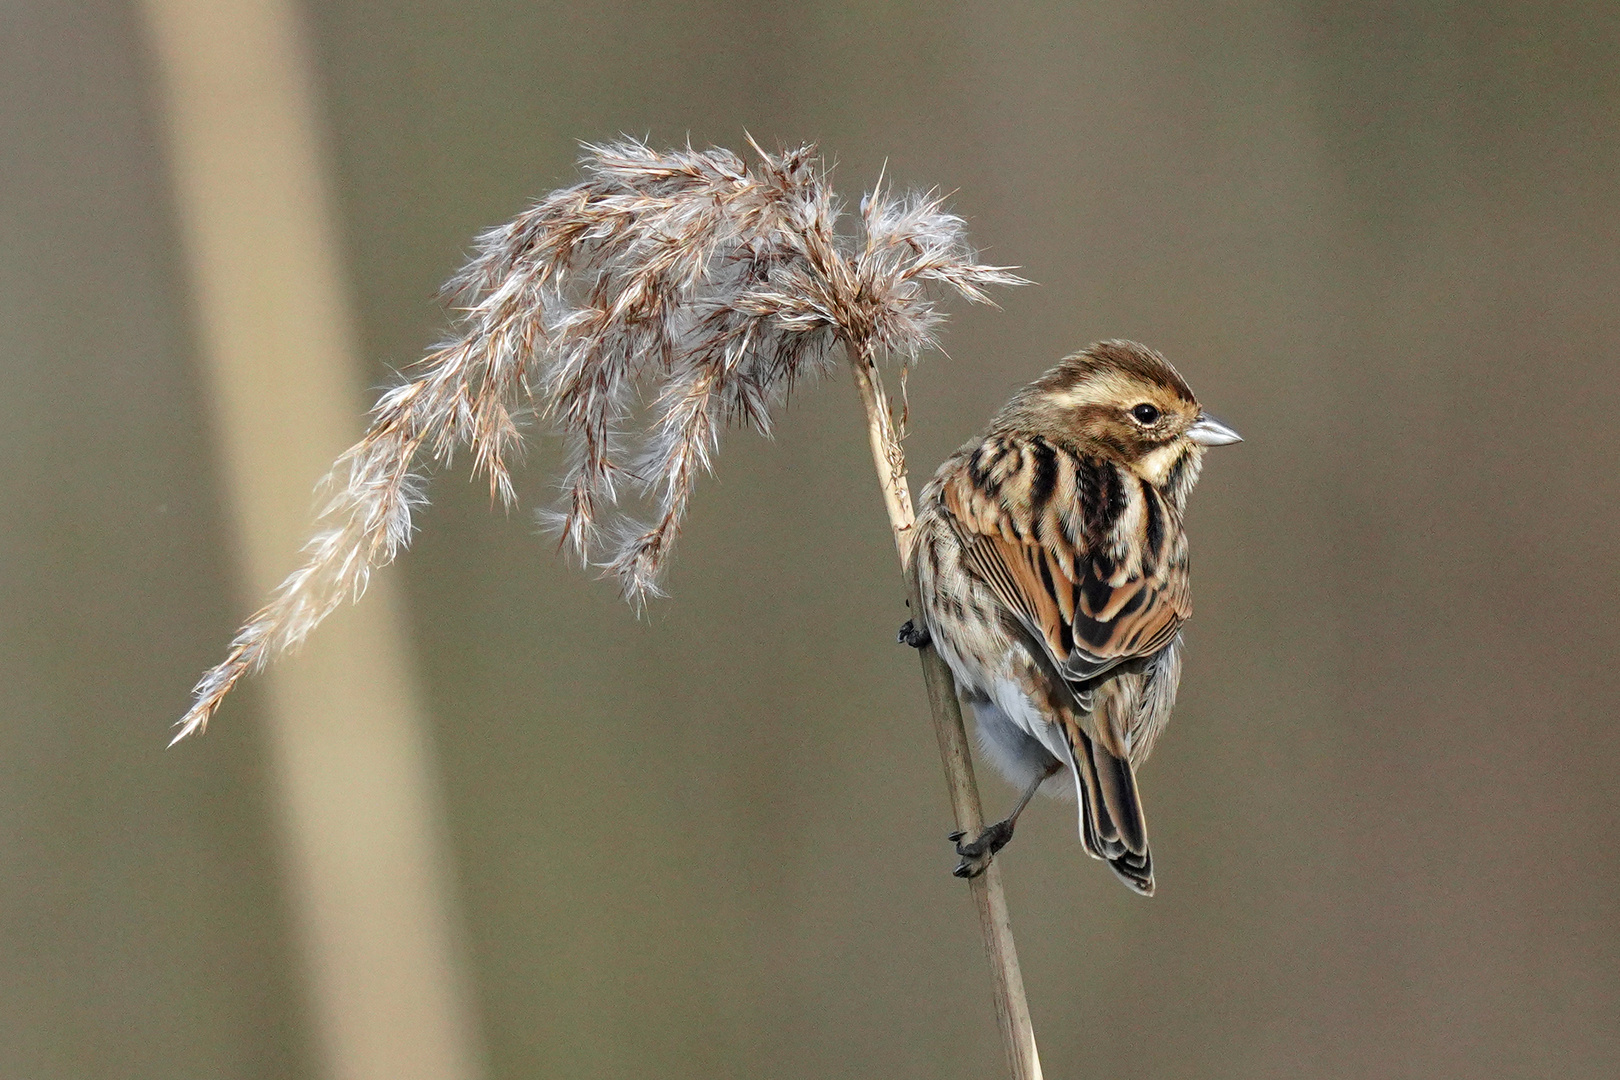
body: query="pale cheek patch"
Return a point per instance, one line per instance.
(1155, 465)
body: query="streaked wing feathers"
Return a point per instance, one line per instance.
(1090, 614)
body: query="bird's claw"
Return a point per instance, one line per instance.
(912, 634)
(976, 853)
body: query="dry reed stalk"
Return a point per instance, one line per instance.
(989, 897)
(640, 311)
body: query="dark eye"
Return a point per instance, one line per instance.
(1145, 414)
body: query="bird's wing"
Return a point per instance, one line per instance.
(1091, 609)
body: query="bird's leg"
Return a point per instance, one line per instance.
(976, 852)
(915, 636)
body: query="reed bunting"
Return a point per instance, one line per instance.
(1052, 569)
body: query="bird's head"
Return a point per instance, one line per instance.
(1125, 402)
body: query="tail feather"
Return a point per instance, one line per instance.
(1111, 823)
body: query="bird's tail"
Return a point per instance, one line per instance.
(1111, 823)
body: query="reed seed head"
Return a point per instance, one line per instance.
(639, 312)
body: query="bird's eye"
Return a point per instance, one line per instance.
(1145, 414)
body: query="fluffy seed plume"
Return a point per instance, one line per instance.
(639, 312)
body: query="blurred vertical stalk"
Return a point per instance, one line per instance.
(995, 924)
(353, 772)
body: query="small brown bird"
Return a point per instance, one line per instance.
(1052, 568)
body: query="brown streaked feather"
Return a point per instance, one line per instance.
(1090, 610)
(1111, 823)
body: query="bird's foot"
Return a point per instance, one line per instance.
(976, 853)
(915, 636)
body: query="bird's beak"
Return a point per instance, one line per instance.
(1208, 431)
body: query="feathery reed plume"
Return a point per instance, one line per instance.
(640, 311)
(683, 282)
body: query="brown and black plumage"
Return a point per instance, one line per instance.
(1052, 567)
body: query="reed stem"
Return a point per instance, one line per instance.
(995, 925)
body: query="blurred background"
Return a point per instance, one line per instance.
(1380, 240)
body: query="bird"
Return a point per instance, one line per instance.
(1052, 577)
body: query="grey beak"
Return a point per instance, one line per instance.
(1209, 431)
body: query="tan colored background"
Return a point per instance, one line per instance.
(1380, 242)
